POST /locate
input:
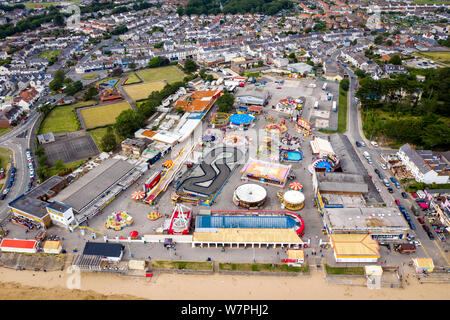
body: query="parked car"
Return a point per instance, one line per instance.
(414, 195)
(377, 171)
(358, 144)
(420, 220)
(404, 195)
(393, 179)
(430, 235)
(397, 185)
(374, 143)
(383, 166)
(397, 202)
(426, 228)
(13, 170)
(390, 190)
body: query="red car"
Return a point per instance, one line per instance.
(397, 202)
(420, 220)
(414, 195)
(278, 87)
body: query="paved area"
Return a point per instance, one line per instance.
(71, 149)
(139, 211)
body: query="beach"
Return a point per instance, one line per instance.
(28, 285)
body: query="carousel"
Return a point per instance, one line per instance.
(118, 220)
(250, 196)
(293, 200)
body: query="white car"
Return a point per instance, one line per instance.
(374, 143)
(416, 243)
(383, 166)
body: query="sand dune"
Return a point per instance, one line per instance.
(29, 284)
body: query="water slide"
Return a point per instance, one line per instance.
(170, 174)
(217, 158)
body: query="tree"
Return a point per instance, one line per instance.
(57, 81)
(389, 42)
(378, 39)
(190, 66)
(91, 92)
(260, 63)
(360, 73)
(202, 73)
(210, 78)
(345, 84)
(395, 59)
(108, 142)
(127, 123)
(59, 165)
(73, 88)
(225, 102)
(59, 20)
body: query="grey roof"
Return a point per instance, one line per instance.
(82, 192)
(31, 203)
(342, 182)
(415, 158)
(341, 219)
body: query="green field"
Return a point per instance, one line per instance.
(90, 76)
(342, 111)
(177, 265)
(132, 78)
(345, 270)
(67, 166)
(4, 131)
(431, 1)
(262, 267)
(63, 119)
(143, 90)
(59, 120)
(97, 135)
(45, 4)
(4, 160)
(171, 74)
(439, 56)
(48, 54)
(103, 115)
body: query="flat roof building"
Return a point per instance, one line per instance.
(381, 223)
(33, 205)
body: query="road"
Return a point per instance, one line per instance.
(431, 248)
(18, 145)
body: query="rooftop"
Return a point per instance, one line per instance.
(91, 185)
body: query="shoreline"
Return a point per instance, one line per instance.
(28, 285)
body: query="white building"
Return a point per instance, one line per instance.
(424, 165)
(61, 214)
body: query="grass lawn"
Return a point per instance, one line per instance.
(342, 111)
(90, 76)
(345, 270)
(188, 265)
(103, 115)
(62, 119)
(4, 160)
(262, 267)
(170, 73)
(439, 56)
(48, 54)
(97, 135)
(143, 90)
(131, 79)
(4, 131)
(71, 165)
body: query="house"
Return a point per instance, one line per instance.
(110, 252)
(425, 165)
(110, 95)
(19, 246)
(199, 101)
(133, 146)
(46, 138)
(392, 68)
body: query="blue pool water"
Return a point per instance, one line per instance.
(294, 156)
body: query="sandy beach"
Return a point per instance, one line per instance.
(28, 285)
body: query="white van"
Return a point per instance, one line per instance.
(420, 194)
(366, 154)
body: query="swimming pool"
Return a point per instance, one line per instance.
(292, 156)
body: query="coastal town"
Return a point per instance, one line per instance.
(298, 138)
